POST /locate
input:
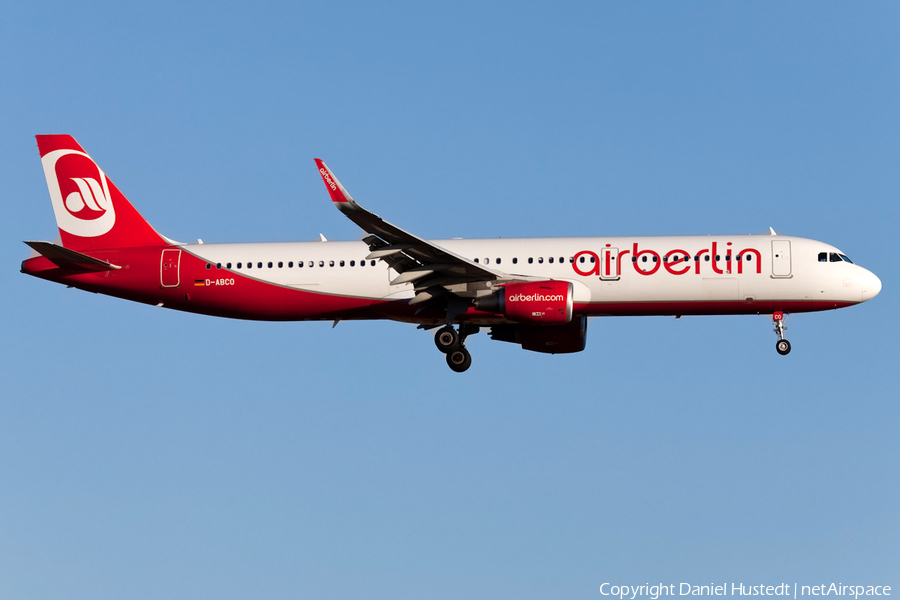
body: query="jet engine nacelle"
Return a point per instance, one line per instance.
(549, 339)
(538, 302)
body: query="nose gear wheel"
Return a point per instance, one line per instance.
(782, 346)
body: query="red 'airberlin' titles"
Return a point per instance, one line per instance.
(676, 262)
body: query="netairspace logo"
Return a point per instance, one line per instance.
(654, 592)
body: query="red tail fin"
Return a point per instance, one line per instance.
(90, 210)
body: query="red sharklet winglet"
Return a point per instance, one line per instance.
(339, 195)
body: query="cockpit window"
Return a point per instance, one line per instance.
(834, 257)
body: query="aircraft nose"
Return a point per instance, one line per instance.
(871, 286)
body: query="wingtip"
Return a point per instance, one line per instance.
(337, 192)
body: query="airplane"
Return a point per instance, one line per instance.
(538, 293)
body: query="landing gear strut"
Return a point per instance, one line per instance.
(782, 346)
(450, 342)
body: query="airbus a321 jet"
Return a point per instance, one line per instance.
(537, 293)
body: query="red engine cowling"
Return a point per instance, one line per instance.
(542, 302)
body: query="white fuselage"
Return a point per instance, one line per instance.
(606, 272)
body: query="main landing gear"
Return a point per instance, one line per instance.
(782, 346)
(451, 343)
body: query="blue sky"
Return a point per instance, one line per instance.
(146, 453)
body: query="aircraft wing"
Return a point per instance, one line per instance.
(433, 270)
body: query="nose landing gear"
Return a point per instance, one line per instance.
(782, 346)
(451, 343)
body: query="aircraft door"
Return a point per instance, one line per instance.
(169, 268)
(781, 258)
(609, 264)
(394, 288)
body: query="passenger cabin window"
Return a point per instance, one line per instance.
(515, 261)
(530, 261)
(228, 266)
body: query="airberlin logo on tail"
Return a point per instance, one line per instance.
(79, 192)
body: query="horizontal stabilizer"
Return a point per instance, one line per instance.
(69, 259)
